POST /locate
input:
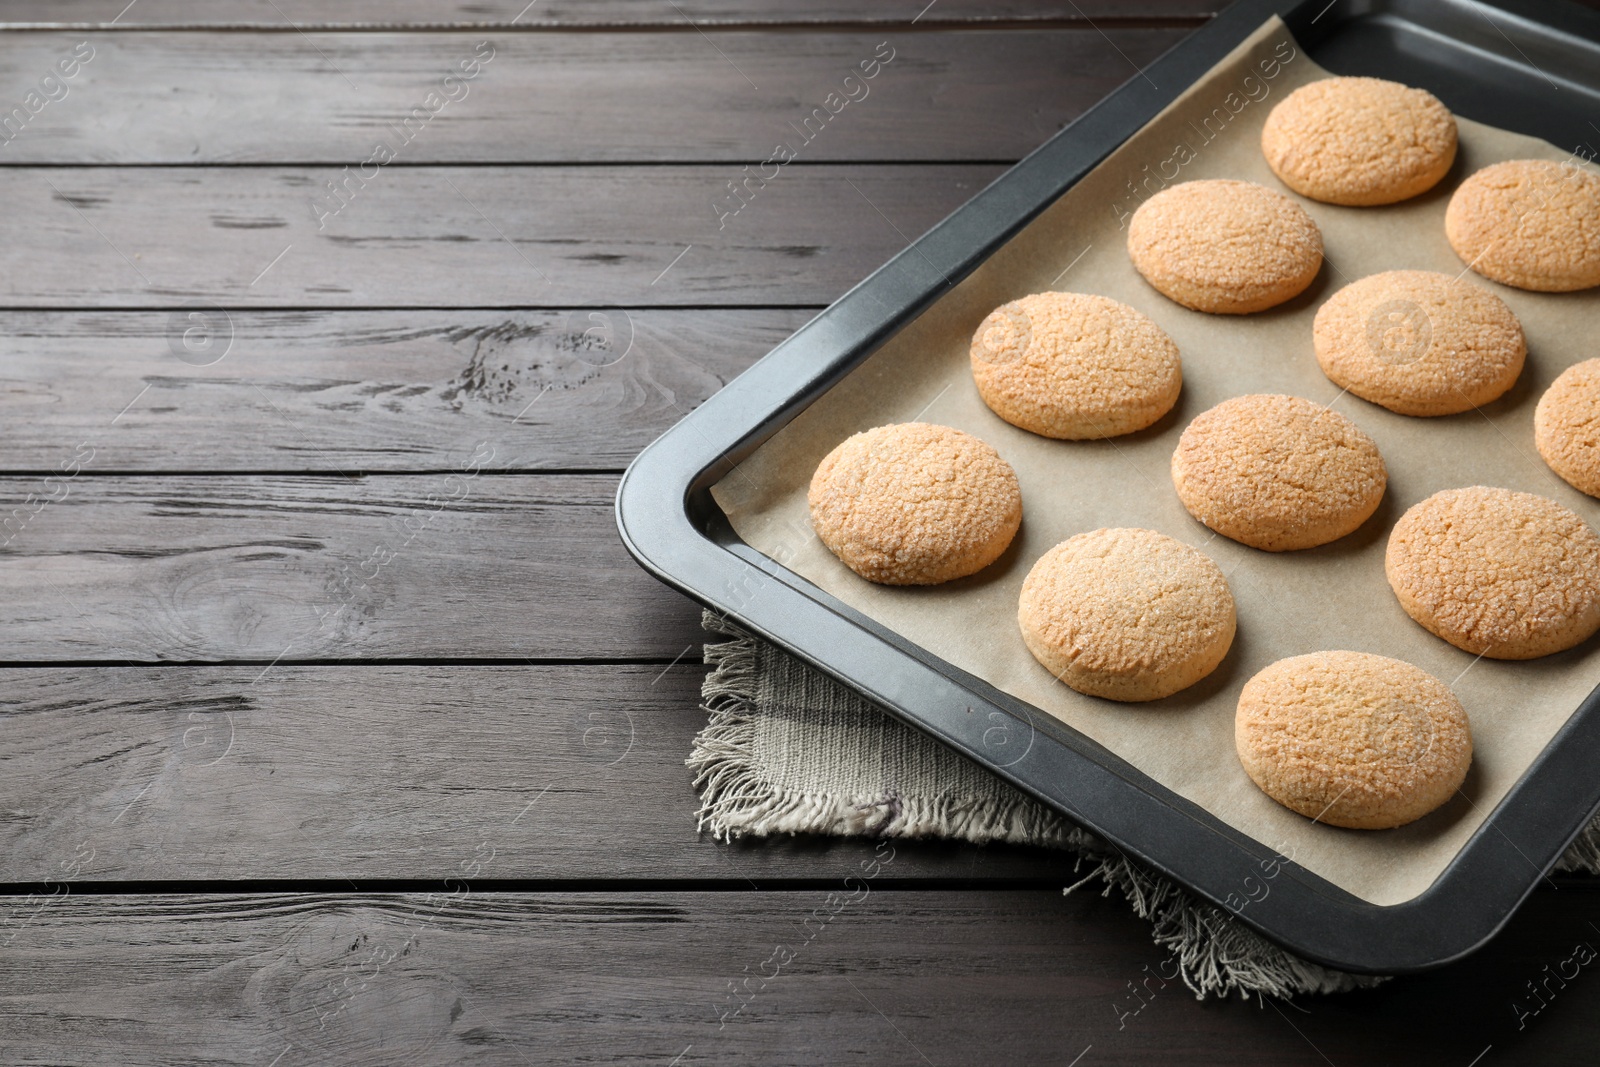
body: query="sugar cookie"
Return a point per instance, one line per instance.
(1359, 141)
(1419, 343)
(1075, 366)
(1278, 472)
(1126, 614)
(1529, 223)
(1497, 573)
(1353, 739)
(915, 504)
(1566, 426)
(1224, 246)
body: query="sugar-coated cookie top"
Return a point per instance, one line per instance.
(1529, 223)
(1566, 426)
(1075, 366)
(1225, 246)
(915, 504)
(1353, 739)
(1359, 141)
(1278, 472)
(1504, 574)
(1127, 614)
(1419, 342)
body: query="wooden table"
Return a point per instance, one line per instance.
(338, 726)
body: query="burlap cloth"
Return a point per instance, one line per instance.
(789, 750)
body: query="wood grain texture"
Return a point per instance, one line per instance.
(562, 773)
(373, 391)
(429, 566)
(281, 15)
(597, 97)
(866, 975)
(385, 353)
(459, 237)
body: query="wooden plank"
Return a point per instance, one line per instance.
(574, 14)
(866, 975)
(231, 97)
(385, 772)
(371, 391)
(460, 237)
(468, 564)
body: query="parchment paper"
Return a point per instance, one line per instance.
(1334, 597)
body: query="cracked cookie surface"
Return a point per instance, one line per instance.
(1353, 739)
(1126, 614)
(1075, 366)
(1223, 246)
(1419, 342)
(1359, 141)
(915, 504)
(1278, 473)
(1529, 223)
(1497, 573)
(1566, 426)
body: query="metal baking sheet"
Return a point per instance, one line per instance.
(1454, 879)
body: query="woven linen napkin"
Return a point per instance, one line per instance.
(789, 750)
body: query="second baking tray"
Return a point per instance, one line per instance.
(671, 521)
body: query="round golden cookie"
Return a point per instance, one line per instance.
(1419, 343)
(1359, 141)
(1497, 573)
(1529, 223)
(1566, 426)
(915, 504)
(1278, 472)
(1223, 246)
(1352, 739)
(1126, 614)
(1075, 366)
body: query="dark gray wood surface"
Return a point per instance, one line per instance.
(187, 98)
(330, 391)
(335, 725)
(446, 237)
(448, 565)
(390, 773)
(806, 976)
(287, 15)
